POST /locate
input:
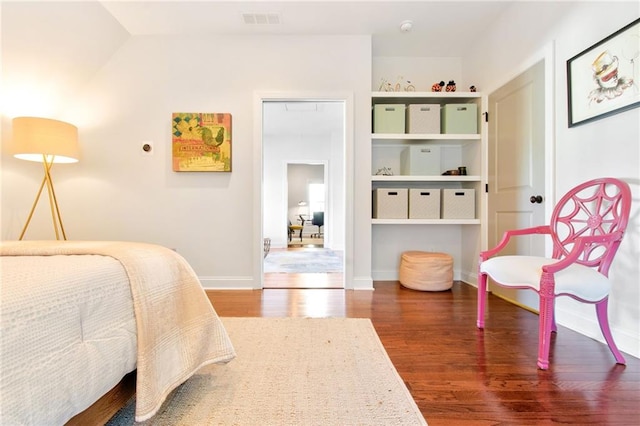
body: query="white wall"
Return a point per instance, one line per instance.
(116, 193)
(607, 147)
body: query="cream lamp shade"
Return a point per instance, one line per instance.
(35, 137)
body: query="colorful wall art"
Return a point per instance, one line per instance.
(201, 142)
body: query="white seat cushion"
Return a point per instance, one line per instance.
(520, 271)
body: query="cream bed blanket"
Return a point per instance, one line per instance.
(178, 331)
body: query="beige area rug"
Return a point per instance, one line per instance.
(293, 371)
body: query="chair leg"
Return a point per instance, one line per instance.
(545, 324)
(603, 320)
(554, 326)
(482, 298)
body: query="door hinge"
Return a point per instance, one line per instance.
(486, 116)
(486, 188)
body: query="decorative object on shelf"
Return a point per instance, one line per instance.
(452, 172)
(46, 141)
(437, 87)
(201, 142)
(401, 86)
(451, 86)
(385, 86)
(385, 171)
(472, 89)
(462, 171)
(400, 82)
(599, 78)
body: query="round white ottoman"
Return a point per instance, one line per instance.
(426, 271)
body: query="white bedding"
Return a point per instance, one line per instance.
(53, 302)
(62, 333)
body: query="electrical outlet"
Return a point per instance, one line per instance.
(147, 148)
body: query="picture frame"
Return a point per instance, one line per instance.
(201, 142)
(604, 79)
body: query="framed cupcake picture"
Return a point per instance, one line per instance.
(604, 79)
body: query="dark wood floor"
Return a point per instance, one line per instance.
(460, 375)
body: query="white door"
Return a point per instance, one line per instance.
(517, 169)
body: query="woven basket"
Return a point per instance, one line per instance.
(426, 271)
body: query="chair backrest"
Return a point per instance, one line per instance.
(597, 207)
(318, 219)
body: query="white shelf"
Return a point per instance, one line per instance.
(435, 178)
(422, 95)
(466, 146)
(425, 221)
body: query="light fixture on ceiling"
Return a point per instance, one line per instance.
(406, 26)
(46, 141)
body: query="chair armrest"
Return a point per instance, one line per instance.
(578, 249)
(544, 229)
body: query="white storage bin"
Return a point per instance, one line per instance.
(388, 118)
(423, 118)
(460, 118)
(420, 160)
(424, 203)
(390, 203)
(458, 204)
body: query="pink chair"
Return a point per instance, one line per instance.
(587, 226)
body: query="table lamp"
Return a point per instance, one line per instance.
(46, 141)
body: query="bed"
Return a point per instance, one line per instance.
(78, 316)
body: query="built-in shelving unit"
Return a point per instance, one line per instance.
(457, 150)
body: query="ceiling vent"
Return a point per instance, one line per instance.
(261, 18)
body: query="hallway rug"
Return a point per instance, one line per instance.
(304, 261)
(293, 371)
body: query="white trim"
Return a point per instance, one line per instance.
(393, 275)
(362, 283)
(588, 326)
(259, 99)
(227, 283)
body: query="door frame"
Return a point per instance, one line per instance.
(258, 197)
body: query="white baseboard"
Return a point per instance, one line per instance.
(360, 283)
(392, 275)
(248, 283)
(229, 283)
(470, 278)
(588, 326)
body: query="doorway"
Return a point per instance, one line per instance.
(306, 202)
(303, 189)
